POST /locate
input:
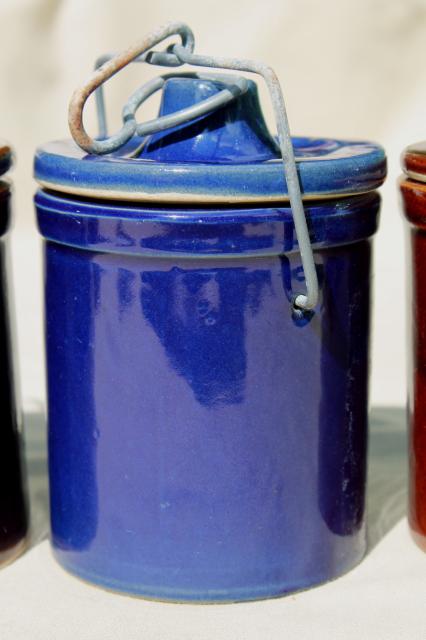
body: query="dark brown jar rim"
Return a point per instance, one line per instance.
(413, 161)
(5, 157)
(414, 200)
(5, 150)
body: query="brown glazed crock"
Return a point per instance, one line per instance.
(413, 191)
(13, 502)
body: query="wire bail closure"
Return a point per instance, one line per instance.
(176, 55)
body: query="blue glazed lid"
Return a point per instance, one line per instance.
(227, 156)
(5, 157)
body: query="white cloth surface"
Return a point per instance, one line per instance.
(381, 599)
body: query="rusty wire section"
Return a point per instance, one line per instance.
(176, 55)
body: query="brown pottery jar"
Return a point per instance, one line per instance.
(13, 504)
(413, 190)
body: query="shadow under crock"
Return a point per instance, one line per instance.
(387, 472)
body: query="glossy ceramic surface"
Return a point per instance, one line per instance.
(227, 156)
(204, 443)
(414, 201)
(13, 509)
(414, 161)
(5, 157)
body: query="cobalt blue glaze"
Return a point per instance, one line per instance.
(240, 126)
(132, 229)
(204, 444)
(225, 156)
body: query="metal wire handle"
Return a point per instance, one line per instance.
(174, 56)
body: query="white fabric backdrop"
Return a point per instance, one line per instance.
(349, 69)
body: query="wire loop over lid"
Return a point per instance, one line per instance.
(184, 54)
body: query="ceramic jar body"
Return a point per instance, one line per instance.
(13, 509)
(204, 443)
(414, 200)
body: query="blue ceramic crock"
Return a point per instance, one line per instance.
(206, 443)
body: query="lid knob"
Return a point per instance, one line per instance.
(236, 133)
